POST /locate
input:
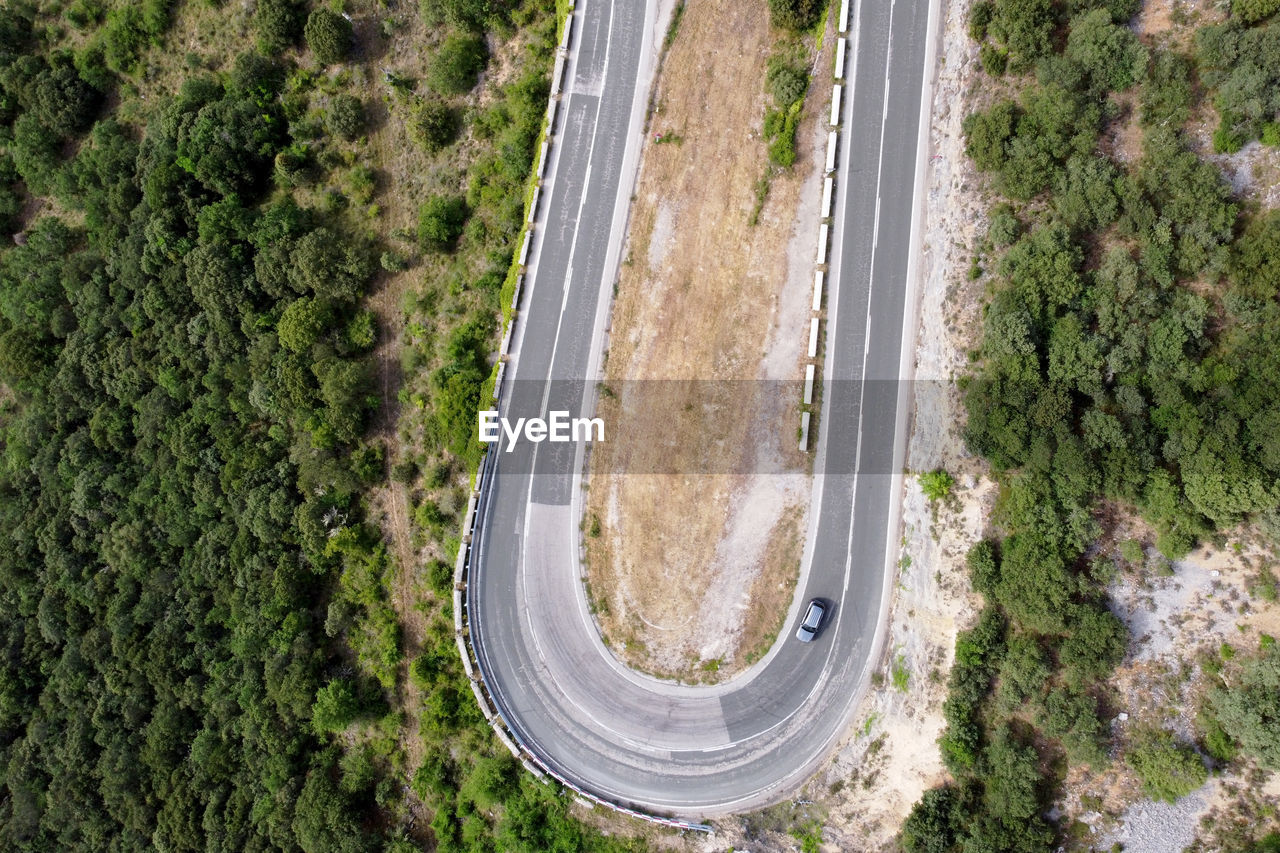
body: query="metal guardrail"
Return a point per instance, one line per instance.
(472, 660)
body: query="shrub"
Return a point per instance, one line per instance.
(329, 35)
(984, 567)
(1094, 647)
(1024, 671)
(440, 222)
(1168, 770)
(1004, 227)
(362, 331)
(1252, 11)
(1072, 717)
(346, 116)
(994, 59)
(1133, 552)
(393, 261)
(1249, 710)
(302, 323)
(780, 130)
(1108, 52)
(440, 576)
(936, 484)
(1214, 737)
(932, 825)
(123, 39)
(794, 14)
(785, 82)
(467, 14)
(335, 707)
(1225, 138)
(457, 64)
(434, 126)
(277, 23)
(980, 15)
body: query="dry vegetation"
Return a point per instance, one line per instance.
(705, 296)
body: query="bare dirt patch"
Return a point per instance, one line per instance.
(720, 305)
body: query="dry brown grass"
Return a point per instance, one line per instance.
(698, 298)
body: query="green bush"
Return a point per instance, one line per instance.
(1003, 226)
(123, 39)
(782, 139)
(1108, 52)
(440, 222)
(278, 24)
(936, 484)
(931, 827)
(335, 707)
(1071, 716)
(302, 323)
(465, 14)
(1094, 646)
(794, 14)
(346, 117)
(457, 63)
(994, 60)
(1024, 28)
(1133, 552)
(1248, 710)
(434, 125)
(329, 35)
(1225, 138)
(785, 82)
(1168, 770)
(1252, 11)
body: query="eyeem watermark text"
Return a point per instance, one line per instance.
(559, 427)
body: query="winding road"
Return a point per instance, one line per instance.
(619, 735)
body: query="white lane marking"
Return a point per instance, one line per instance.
(866, 349)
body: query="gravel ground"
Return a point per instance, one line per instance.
(1151, 827)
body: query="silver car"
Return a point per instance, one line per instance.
(812, 621)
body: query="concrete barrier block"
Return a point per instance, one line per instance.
(467, 666)
(484, 703)
(804, 432)
(533, 204)
(840, 48)
(542, 159)
(515, 297)
(808, 384)
(568, 30)
(558, 73)
(506, 341)
(507, 742)
(813, 338)
(822, 243)
(505, 351)
(459, 569)
(832, 142)
(497, 387)
(817, 290)
(469, 520)
(835, 104)
(534, 769)
(844, 16)
(524, 247)
(552, 106)
(828, 187)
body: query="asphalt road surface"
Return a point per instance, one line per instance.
(623, 736)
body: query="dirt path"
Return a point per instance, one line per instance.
(693, 551)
